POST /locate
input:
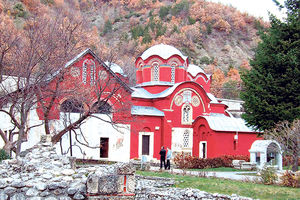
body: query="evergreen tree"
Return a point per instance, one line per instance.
(272, 87)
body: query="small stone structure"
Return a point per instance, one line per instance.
(117, 182)
(266, 152)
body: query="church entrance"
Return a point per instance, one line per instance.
(145, 145)
(104, 144)
(203, 149)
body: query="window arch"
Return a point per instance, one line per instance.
(102, 107)
(187, 114)
(186, 139)
(155, 71)
(72, 106)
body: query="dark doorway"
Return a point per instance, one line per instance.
(104, 143)
(203, 153)
(145, 145)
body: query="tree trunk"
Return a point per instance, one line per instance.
(47, 129)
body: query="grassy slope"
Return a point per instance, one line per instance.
(214, 185)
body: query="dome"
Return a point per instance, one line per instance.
(115, 68)
(162, 50)
(194, 70)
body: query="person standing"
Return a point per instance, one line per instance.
(162, 157)
(169, 156)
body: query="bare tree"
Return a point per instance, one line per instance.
(31, 57)
(287, 134)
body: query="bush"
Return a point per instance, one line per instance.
(184, 161)
(268, 175)
(107, 27)
(164, 11)
(3, 155)
(137, 31)
(290, 179)
(182, 7)
(288, 160)
(191, 20)
(19, 11)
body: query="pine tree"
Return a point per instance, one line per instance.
(272, 87)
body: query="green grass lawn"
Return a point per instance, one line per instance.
(222, 186)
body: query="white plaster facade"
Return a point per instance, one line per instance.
(93, 129)
(178, 140)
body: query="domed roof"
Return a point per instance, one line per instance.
(162, 50)
(115, 68)
(194, 70)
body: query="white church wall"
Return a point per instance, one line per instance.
(178, 140)
(93, 129)
(33, 136)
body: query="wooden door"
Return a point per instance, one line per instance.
(146, 145)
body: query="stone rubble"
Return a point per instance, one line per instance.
(40, 174)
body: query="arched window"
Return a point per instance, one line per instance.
(72, 106)
(186, 114)
(102, 107)
(155, 71)
(173, 66)
(186, 139)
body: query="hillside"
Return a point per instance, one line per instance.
(218, 38)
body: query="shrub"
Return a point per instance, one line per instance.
(137, 31)
(290, 179)
(107, 27)
(191, 20)
(164, 11)
(19, 11)
(268, 175)
(182, 7)
(3, 155)
(185, 161)
(288, 160)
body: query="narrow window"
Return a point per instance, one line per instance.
(186, 114)
(155, 72)
(186, 139)
(173, 73)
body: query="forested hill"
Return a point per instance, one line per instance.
(218, 38)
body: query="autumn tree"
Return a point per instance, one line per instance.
(287, 134)
(45, 44)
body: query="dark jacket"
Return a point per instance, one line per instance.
(162, 154)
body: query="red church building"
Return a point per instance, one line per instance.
(172, 100)
(170, 105)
